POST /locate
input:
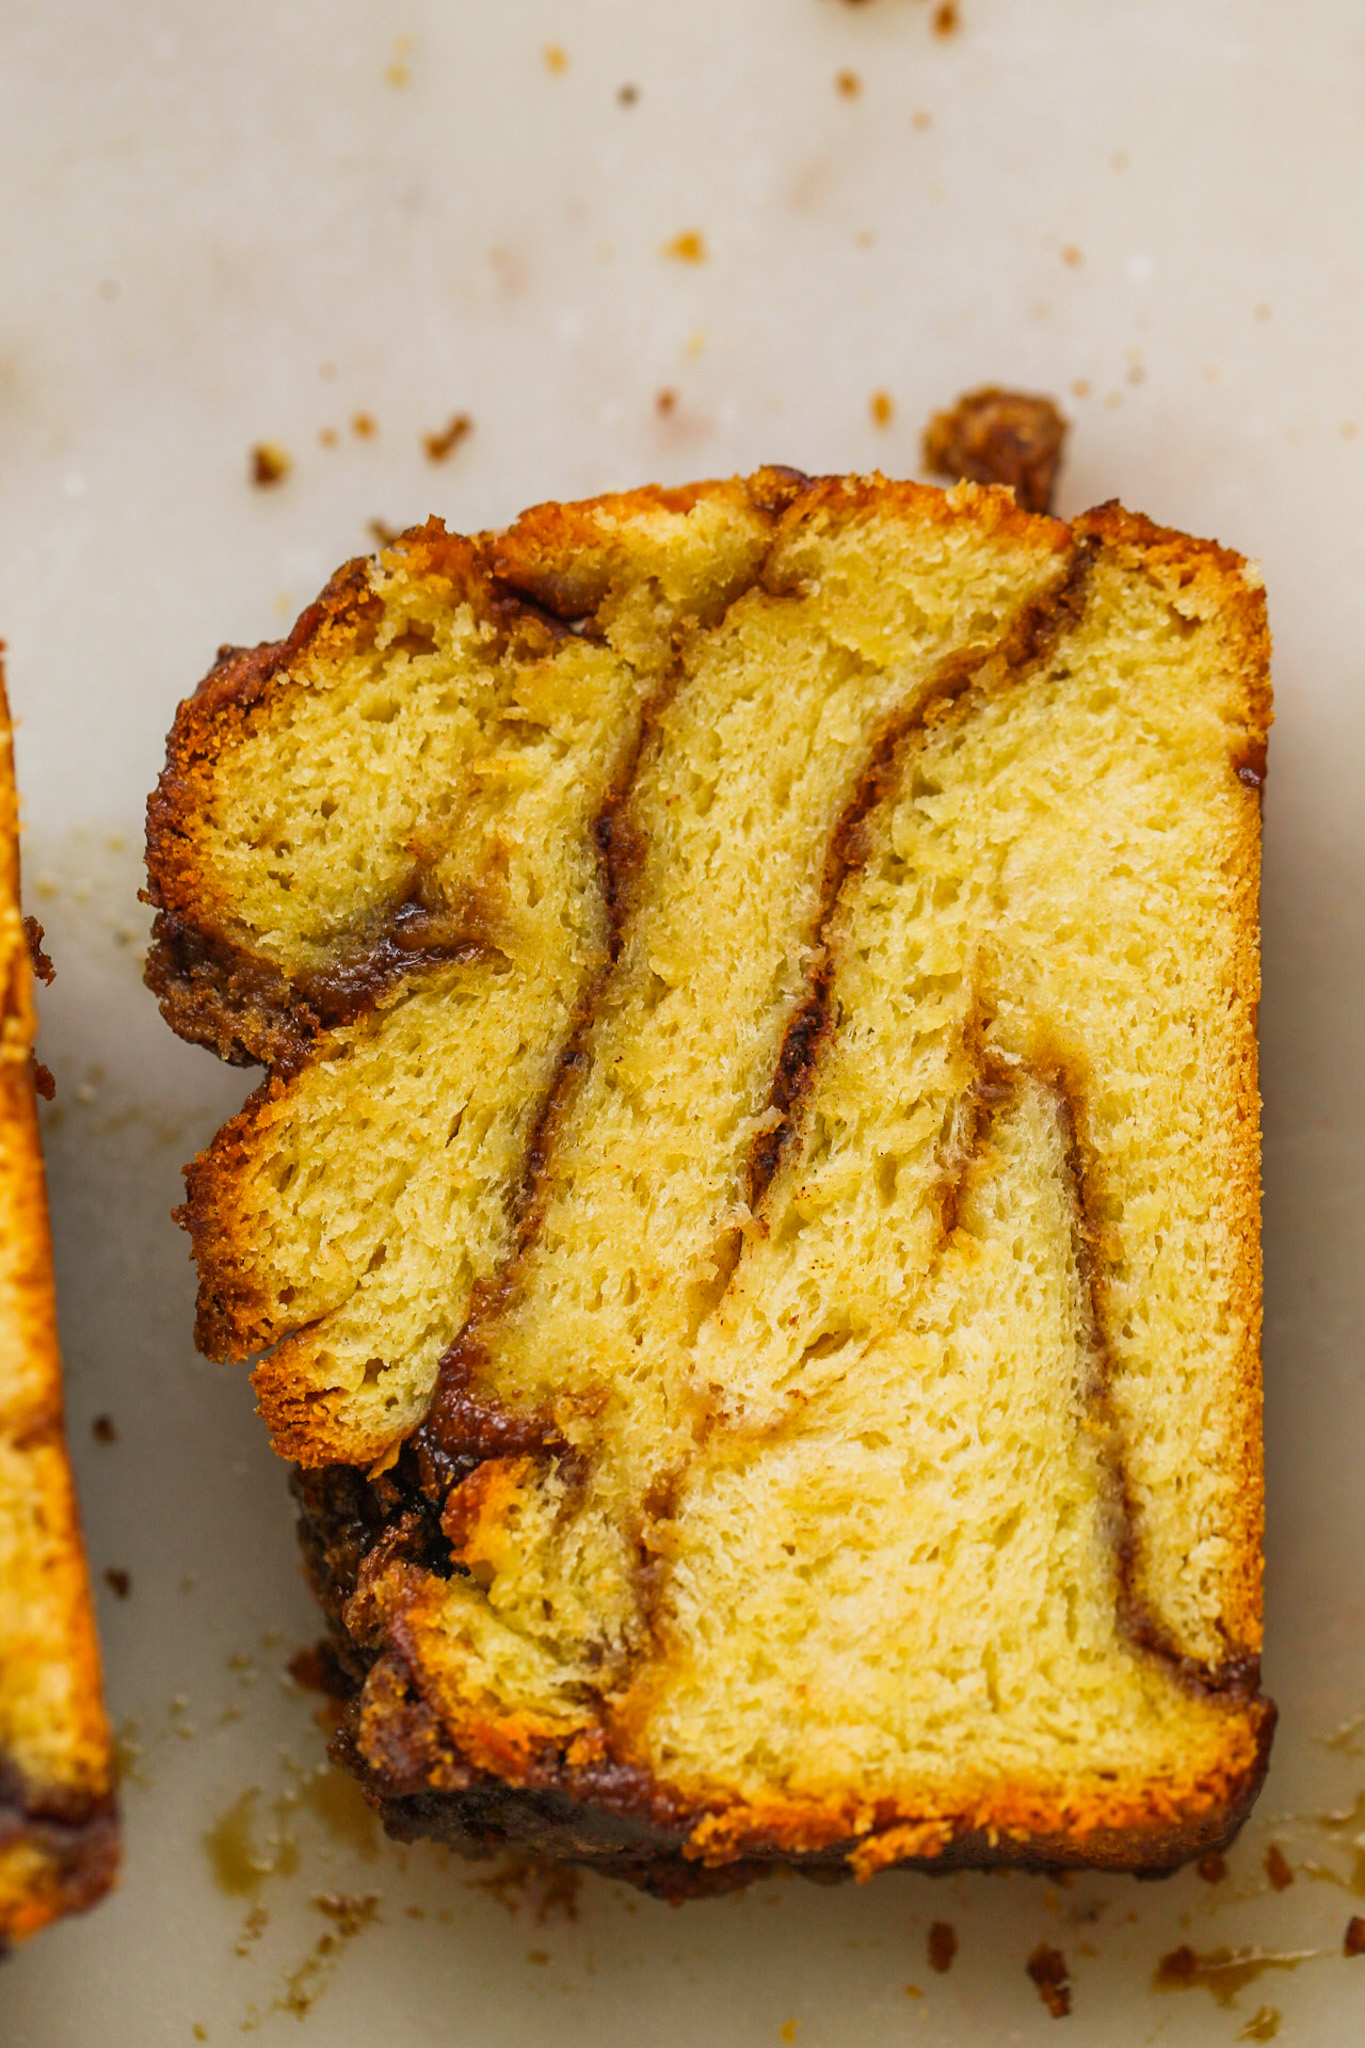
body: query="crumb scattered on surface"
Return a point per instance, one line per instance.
(270, 464)
(947, 20)
(119, 1582)
(942, 1946)
(457, 429)
(999, 437)
(1353, 1941)
(328, 436)
(103, 1430)
(398, 71)
(688, 247)
(882, 407)
(913, 1991)
(1080, 387)
(849, 84)
(44, 1080)
(1047, 1967)
(920, 121)
(363, 425)
(787, 2031)
(1263, 312)
(627, 95)
(556, 59)
(666, 403)
(42, 966)
(1213, 1868)
(1072, 256)
(384, 534)
(1277, 1868)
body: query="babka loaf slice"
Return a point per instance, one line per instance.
(58, 1832)
(750, 1226)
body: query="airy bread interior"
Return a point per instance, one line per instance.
(761, 986)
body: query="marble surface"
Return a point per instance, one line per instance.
(263, 223)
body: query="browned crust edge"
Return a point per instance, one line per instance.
(71, 1825)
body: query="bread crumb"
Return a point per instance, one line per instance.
(849, 84)
(363, 425)
(1072, 256)
(1277, 1868)
(920, 121)
(688, 247)
(438, 446)
(556, 59)
(383, 533)
(1047, 1967)
(1353, 1942)
(999, 437)
(1213, 1868)
(270, 464)
(666, 403)
(942, 1946)
(882, 407)
(120, 1583)
(103, 1430)
(328, 436)
(627, 95)
(947, 20)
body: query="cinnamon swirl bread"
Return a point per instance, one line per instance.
(58, 1831)
(749, 1230)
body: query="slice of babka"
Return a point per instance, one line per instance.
(58, 1830)
(750, 1228)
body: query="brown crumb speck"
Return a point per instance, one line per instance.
(946, 18)
(1080, 387)
(849, 84)
(627, 95)
(1353, 1941)
(942, 1945)
(999, 437)
(120, 1583)
(363, 425)
(688, 247)
(44, 1080)
(1263, 312)
(913, 1991)
(1213, 1868)
(882, 407)
(1047, 1967)
(103, 1430)
(438, 446)
(666, 403)
(384, 534)
(1072, 256)
(921, 121)
(556, 59)
(270, 464)
(328, 437)
(1277, 1868)
(42, 966)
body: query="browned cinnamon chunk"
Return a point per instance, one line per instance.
(58, 1827)
(999, 437)
(1047, 1967)
(749, 1230)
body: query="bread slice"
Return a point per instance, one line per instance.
(750, 1229)
(58, 1831)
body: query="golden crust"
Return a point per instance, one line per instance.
(416, 1733)
(58, 1832)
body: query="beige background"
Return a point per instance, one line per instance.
(226, 224)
